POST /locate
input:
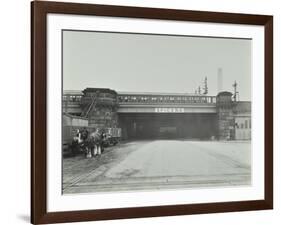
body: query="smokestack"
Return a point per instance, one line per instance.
(220, 79)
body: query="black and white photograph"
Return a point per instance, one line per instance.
(149, 111)
(146, 112)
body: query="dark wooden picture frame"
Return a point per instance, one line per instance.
(39, 11)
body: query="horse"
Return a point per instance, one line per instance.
(91, 146)
(95, 141)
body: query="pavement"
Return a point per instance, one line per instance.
(160, 164)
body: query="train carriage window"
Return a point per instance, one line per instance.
(191, 99)
(246, 124)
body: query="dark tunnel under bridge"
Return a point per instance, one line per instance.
(168, 125)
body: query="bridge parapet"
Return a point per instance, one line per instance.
(165, 99)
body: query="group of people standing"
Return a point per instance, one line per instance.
(93, 143)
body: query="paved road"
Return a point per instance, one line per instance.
(160, 164)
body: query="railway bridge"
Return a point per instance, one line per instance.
(156, 115)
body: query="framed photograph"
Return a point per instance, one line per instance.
(144, 112)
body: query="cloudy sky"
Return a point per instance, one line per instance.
(154, 63)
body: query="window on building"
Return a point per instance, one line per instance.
(250, 125)
(246, 124)
(242, 125)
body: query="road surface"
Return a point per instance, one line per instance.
(160, 164)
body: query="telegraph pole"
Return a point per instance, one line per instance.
(205, 87)
(199, 90)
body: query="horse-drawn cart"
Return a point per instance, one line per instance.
(73, 145)
(112, 136)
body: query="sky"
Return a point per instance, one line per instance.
(155, 63)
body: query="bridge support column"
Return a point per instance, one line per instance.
(225, 116)
(103, 113)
